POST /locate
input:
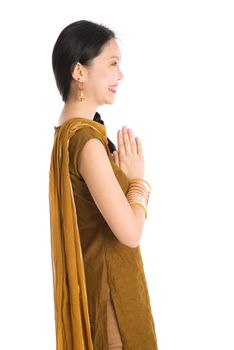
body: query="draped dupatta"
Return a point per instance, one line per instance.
(72, 322)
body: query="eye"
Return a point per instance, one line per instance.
(114, 63)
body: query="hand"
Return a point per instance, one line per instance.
(129, 156)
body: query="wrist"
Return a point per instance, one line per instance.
(138, 193)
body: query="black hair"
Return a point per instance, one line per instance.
(111, 145)
(80, 41)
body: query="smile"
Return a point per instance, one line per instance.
(112, 89)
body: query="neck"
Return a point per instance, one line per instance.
(77, 109)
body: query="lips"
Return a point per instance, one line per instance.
(113, 88)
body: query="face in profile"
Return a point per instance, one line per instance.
(104, 75)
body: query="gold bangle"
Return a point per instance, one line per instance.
(138, 198)
(140, 179)
(138, 186)
(140, 205)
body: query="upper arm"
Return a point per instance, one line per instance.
(97, 172)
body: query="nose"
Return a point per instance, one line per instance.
(120, 74)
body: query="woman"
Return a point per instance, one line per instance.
(98, 201)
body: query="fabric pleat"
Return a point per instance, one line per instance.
(72, 321)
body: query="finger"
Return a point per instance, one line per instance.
(116, 158)
(121, 148)
(132, 141)
(139, 146)
(126, 140)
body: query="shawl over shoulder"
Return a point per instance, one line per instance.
(70, 297)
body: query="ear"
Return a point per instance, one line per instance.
(78, 72)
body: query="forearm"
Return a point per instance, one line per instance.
(139, 215)
(137, 196)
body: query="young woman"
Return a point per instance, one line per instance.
(98, 201)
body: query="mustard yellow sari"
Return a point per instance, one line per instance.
(70, 296)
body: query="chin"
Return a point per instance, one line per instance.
(106, 102)
(110, 101)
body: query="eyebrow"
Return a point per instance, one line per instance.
(119, 58)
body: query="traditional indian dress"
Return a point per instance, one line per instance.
(92, 269)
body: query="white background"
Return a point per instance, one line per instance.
(177, 96)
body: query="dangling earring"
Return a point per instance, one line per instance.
(81, 97)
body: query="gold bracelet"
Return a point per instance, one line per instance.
(137, 197)
(140, 205)
(140, 179)
(138, 193)
(139, 187)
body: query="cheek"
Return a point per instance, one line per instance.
(103, 77)
(100, 80)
